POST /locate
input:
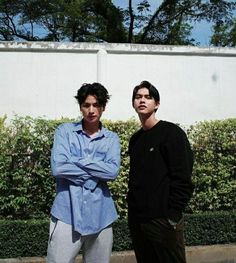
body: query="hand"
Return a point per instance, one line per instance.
(172, 223)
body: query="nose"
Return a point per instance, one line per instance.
(142, 99)
(91, 109)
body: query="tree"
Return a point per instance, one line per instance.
(171, 22)
(95, 20)
(60, 20)
(224, 34)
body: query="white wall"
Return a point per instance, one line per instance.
(40, 79)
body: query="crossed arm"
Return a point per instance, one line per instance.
(84, 170)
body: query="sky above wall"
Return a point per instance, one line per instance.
(201, 31)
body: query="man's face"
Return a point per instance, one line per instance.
(144, 103)
(91, 110)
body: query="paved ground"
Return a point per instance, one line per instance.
(196, 254)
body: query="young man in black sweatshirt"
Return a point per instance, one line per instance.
(160, 184)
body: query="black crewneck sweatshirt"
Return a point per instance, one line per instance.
(161, 164)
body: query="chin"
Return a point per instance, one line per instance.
(141, 111)
(92, 120)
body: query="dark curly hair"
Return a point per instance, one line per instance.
(94, 89)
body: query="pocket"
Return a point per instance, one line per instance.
(178, 227)
(160, 231)
(52, 228)
(164, 223)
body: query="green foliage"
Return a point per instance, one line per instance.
(21, 238)
(60, 20)
(119, 186)
(210, 228)
(224, 34)
(170, 23)
(27, 188)
(121, 239)
(29, 238)
(214, 174)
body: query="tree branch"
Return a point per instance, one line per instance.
(131, 25)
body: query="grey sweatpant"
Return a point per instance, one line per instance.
(64, 244)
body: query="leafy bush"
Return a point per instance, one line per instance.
(214, 174)
(23, 238)
(28, 238)
(27, 188)
(210, 228)
(119, 186)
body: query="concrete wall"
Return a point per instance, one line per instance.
(40, 79)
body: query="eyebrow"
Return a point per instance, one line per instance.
(143, 95)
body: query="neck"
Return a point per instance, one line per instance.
(91, 129)
(148, 121)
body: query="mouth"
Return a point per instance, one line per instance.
(91, 117)
(142, 107)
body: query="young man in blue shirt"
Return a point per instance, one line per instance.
(85, 156)
(160, 184)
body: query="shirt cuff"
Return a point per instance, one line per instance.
(91, 183)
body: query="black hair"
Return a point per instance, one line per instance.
(153, 92)
(94, 89)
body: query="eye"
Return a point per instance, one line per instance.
(138, 97)
(85, 105)
(96, 105)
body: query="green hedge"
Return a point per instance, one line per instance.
(23, 238)
(214, 173)
(27, 238)
(210, 228)
(27, 188)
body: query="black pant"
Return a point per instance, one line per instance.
(157, 241)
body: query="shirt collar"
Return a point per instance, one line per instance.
(78, 127)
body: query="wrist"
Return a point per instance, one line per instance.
(172, 223)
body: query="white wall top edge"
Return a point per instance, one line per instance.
(114, 48)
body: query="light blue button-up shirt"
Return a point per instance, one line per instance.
(82, 166)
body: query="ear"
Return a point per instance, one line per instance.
(157, 105)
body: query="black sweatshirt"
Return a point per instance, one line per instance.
(161, 164)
